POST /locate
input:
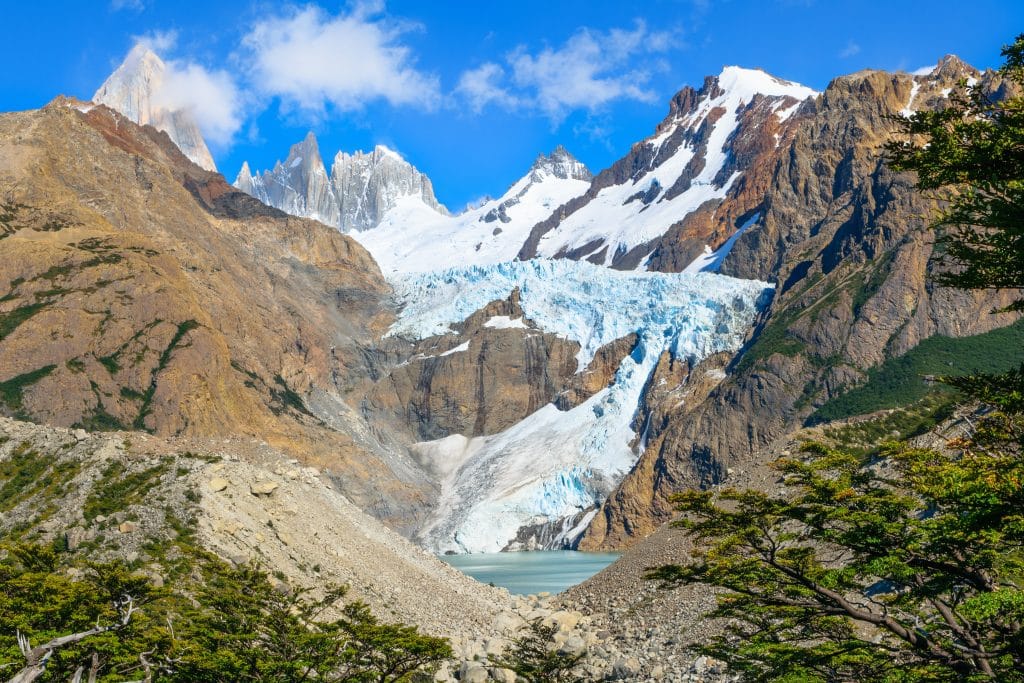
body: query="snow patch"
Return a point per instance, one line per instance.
(504, 322)
(458, 349)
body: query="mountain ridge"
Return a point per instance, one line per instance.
(360, 188)
(134, 89)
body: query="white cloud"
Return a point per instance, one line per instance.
(480, 87)
(850, 50)
(134, 5)
(590, 70)
(211, 97)
(160, 42)
(311, 59)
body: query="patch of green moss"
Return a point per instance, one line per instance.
(9, 322)
(285, 397)
(165, 358)
(11, 391)
(773, 338)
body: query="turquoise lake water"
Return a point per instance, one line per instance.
(532, 572)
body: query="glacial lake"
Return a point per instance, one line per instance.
(532, 572)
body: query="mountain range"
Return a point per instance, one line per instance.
(543, 370)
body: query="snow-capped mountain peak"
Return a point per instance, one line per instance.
(560, 164)
(410, 239)
(134, 90)
(710, 138)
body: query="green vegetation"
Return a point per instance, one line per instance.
(901, 381)
(897, 564)
(286, 398)
(10, 321)
(773, 338)
(119, 489)
(20, 473)
(534, 660)
(217, 623)
(11, 390)
(866, 436)
(26, 473)
(165, 358)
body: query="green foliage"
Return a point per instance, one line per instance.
(773, 338)
(11, 390)
(10, 321)
(42, 601)
(901, 381)
(973, 151)
(903, 568)
(534, 659)
(20, 472)
(118, 489)
(867, 435)
(218, 623)
(286, 397)
(165, 357)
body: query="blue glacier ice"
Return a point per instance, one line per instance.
(554, 464)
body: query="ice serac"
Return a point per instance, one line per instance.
(134, 90)
(656, 207)
(299, 186)
(360, 189)
(411, 239)
(561, 464)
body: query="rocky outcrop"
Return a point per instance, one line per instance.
(140, 291)
(489, 375)
(691, 184)
(299, 186)
(135, 89)
(361, 188)
(846, 240)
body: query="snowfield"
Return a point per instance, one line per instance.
(554, 464)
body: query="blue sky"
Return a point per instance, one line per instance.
(469, 92)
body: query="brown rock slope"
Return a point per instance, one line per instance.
(846, 240)
(139, 291)
(487, 376)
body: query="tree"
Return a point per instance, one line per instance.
(899, 566)
(972, 152)
(533, 658)
(219, 623)
(904, 564)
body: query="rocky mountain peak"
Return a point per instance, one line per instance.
(360, 188)
(134, 90)
(561, 164)
(952, 67)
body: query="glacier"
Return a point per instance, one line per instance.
(555, 464)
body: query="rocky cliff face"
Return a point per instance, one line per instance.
(141, 292)
(300, 186)
(361, 188)
(134, 89)
(657, 207)
(846, 240)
